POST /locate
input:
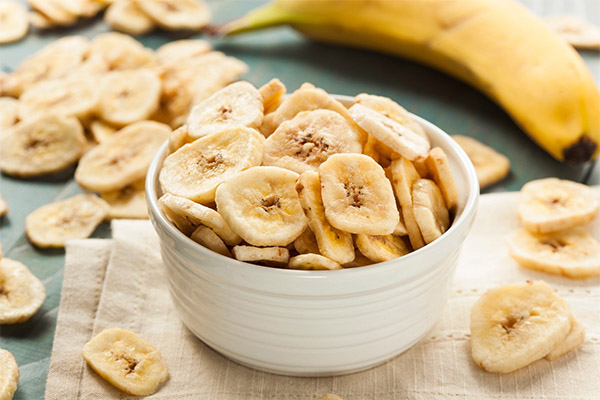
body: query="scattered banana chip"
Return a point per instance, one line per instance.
(129, 202)
(312, 262)
(272, 95)
(575, 339)
(306, 242)
(126, 16)
(122, 160)
(188, 216)
(429, 210)
(577, 32)
(209, 239)
(74, 218)
(129, 96)
(551, 204)
(197, 169)
(357, 196)
(573, 253)
(55, 11)
(21, 294)
(397, 137)
(490, 166)
(182, 50)
(333, 243)
(237, 105)
(41, 146)
(122, 51)
(515, 325)
(9, 375)
(262, 206)
(126, 361)
(177, 14)
(15, 21)
(8, 113)
(3, 207)
(306, 141)
(102, 131)
(274, 256)
(382, 248)
(439, 170)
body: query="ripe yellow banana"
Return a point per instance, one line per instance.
(497, 46)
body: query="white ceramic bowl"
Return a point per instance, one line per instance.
(314, 323)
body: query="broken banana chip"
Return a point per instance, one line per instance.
(177, 14)
(272, 95)
(74, 218)
(517, 324)
(357, 196)
(9, 375)
(429, 210)
(551, 204)
(273, 256)
(382, 248)
(312, 262)
(306, 141)
(15, 21)
(574, 340)
(262, 206)
(41, 146)
(490, 166)
(123, 159)
(209, 239)
(21, 293)
(573, 253)
(306, 242)
(126, 361)
(129, 202)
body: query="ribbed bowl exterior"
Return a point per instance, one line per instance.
(314, 323)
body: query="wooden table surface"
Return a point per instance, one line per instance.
(452, 105)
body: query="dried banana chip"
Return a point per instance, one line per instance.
(129, 202)
(41, 146)
(40, 21)
(182, 50)
(122, 51)
(209, 239)
(55, 11)
(573, 253)
(429, 210)
(9, 375)
(382, 248)
(126, 361)
(574, 340)
(102, 131)
(8, 113)
(359, 260)
(272, 95)
(551, 204)
(262, 206)
(307, 140)
(126, 16)
(576, 31)
(188, 216)
(439, 170)
(404, 175)
(306, 243)
(515, 325)
(333, 243)
(273, 256)
(490, 166)
(177, 14)
(312, 262)
(15, 21)
(357, 196)
(21, 294)
(197, 169)
(122, 160)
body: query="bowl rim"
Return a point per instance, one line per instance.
(465, 218)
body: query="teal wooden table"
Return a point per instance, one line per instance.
(455, 107)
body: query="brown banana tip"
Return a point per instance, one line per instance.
(214, 30)
(581, 151)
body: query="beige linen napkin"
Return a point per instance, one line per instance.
(129, 290)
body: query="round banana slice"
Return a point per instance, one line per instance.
(551, 204)
(74, 218)
(196, 169)
(574, 340)
(8, 113)
(429, 210)
(76, 95)
(182, 50)
(262, 206)
(188, 216)
(306, 243)
(515, 325)
(9, 375)
(391, 109)
(306, 141)
(40, 21)
(573, 253)
(21, 293)
(209, 239)
(54, 61)
(129, 202)
(82, 8)
(270, 256)
(102, 131)
(177, 14)
(332, 243)
(312, 262)
(357, 196)
(490, 166)
(382, 248)
(3, 211)
(404, 175)
(236, 105)
(41, 146)
(126, 361)
(15, 21)
(54, 10)
(122, 160)
(272, 94)
(438, 169)
(397, 137)
(129, 96)
(122, 51)
(126, 16)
